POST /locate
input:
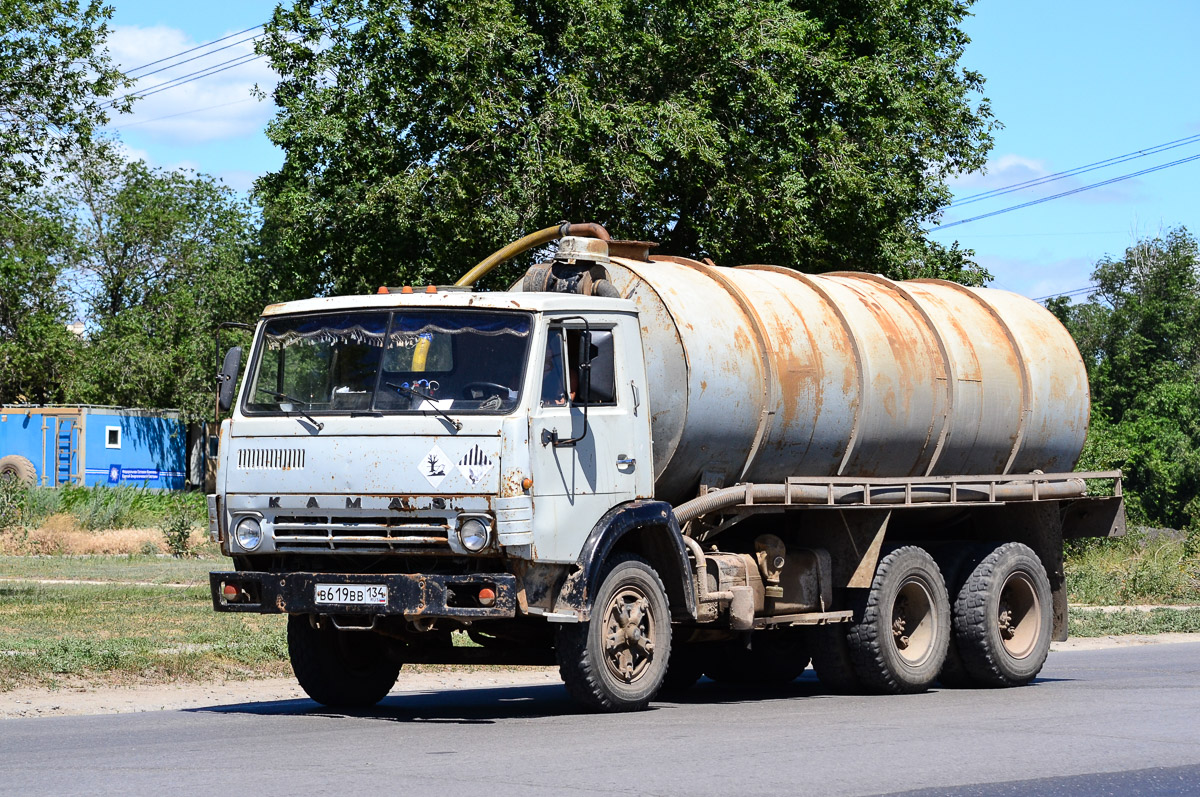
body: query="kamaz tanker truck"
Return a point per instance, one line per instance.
(648, 468)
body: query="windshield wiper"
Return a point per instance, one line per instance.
(285, 397)
(430, 399)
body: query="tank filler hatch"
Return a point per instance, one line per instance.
(580, 266)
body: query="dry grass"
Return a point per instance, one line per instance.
(61, 535)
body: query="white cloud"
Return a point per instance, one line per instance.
(1038, 278)
(211, 108)
(1003, 171)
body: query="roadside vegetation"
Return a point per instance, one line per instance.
(100, 520)
(1147, 566)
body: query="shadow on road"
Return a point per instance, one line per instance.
(484, 706)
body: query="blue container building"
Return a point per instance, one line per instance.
(90, 445)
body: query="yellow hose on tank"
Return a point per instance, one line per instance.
(588, 229)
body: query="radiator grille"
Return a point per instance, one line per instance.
(270, 458)
(361, 534)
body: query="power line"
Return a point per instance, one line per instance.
(240, 60)
(1089, 167)
(193, 49)
(1072, 292)
(188, 78)
(1032, 202)
(197, 57)
(1079, 169)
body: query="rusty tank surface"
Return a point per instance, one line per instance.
(758, 373)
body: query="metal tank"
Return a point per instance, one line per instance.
(758, 373)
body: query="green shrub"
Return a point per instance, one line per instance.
(176, 527)
(12, 503)
(1139, 568)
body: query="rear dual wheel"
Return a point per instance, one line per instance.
(900, 635)
(1002, 617)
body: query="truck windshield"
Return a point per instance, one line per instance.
(404, 361)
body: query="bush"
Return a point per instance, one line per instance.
(1146, 566)
(12, 503)
(176, 527)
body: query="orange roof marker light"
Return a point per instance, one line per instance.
(406, 289)
(431, 289)
(382, 289)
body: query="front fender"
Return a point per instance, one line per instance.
(656, 537)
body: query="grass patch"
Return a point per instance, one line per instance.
(51, 635)
(1138, 568)
(1095, 622)
(137, 567)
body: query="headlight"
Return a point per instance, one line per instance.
(248, 533)
(474, 534)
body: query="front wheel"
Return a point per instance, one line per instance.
(340, 669)
(617, 660)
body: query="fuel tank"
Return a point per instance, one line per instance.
(758, 373)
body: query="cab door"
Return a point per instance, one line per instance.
(580, 472)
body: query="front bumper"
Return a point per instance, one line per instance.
(409, 595)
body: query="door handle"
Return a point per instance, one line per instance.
(624, 461)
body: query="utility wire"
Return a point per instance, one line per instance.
(201, 73)
(1089, 167)
(192, 50)
(1072, 292)
(197, 57)
(1032, 202)
(188, 78)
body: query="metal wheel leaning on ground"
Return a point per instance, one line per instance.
(899, 642)
(617, 660)
(340, 669)
(19, 468)
(1002, 617)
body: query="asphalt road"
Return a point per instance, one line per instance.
(1121, 721)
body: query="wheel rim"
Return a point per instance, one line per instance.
(629, 634)
(1019, 615)
(914, 623)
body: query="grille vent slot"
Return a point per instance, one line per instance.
(270, 458)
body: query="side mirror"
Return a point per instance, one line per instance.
(227, 379)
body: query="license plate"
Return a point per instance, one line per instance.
(355, 594)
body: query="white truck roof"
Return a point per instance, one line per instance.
(491, 300)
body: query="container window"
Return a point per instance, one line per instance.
(112, 436)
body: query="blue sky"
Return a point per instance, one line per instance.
(1073, 83)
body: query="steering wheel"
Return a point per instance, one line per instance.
(484, 389)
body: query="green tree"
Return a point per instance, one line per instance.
(421, 135)
(1140, 337)
(162, 257)
(54, 75)
(36, 349)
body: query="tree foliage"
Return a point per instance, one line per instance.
(36, 243)
(1140, 337)
(422, 134)
(54, 74)
(152, 259)
(162, 258)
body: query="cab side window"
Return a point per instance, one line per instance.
(554, 371)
